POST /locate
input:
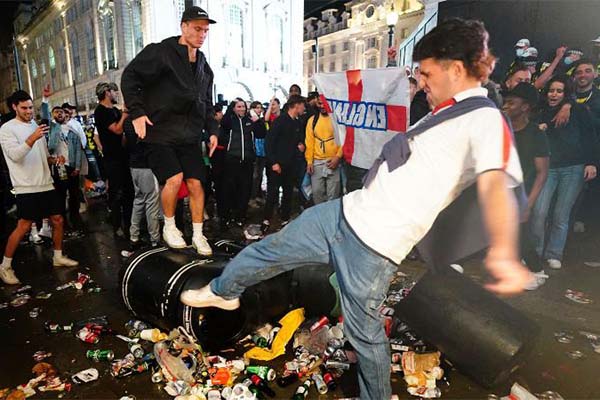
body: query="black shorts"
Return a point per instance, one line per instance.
(35, 206)
(169, 160)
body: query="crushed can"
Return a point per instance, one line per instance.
(100, 355)
(88, 336)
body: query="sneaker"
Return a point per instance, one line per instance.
(46, 232)
(82, 208)
(64, 261)
(264, 227)
(35, 238)
(201, 245)
(554, 263)
(458, 268)
(205, 297)
(578, 227)
(7, 274)
(174, 238)
(538, 279)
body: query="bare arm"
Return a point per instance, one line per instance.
(501, 219)
(117, 127)
(548, 72)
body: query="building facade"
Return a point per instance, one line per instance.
(8, 77)
(255, 49)
(357, 36)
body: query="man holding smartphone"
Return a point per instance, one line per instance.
(24, 147)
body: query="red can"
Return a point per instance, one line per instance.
(321, 322)
(88, 336)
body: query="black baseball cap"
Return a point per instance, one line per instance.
(68, 106)
(525, 91)
(196, 13)
(312, 95)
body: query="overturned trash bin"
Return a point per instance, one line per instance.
(152, 281)
(482, 336)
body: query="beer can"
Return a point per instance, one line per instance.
(136, 350)
(100, 355)
(88, 336)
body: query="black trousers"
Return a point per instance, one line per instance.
(70, 186)
(527, 247)
(285, 180)
(354, 177)
(120, 193)
(237, 181)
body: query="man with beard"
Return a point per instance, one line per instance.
(24, 147)
(323, 156)
(109, 122)
(168, 90)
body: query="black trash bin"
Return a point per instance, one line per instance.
(483, 337)
(152, 281)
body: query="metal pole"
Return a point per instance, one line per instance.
(76, 103)
(316, 55)
(390, 36)
(17, 63)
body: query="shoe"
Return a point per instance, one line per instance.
(174, 238)
(458, 268)
(538, 279)
(285, 222)
(201, 245)
(64, 261)
(578, 227)
(82, 208)
(205, 297)
(554, 263)
(7, 274)
(35, 238)
(46, 232)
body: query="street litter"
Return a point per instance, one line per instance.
(577, 297)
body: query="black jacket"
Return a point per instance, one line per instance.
(160, 84)
(282, 140)
(237, 136)
(573, 144)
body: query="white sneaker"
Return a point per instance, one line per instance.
(554, 263)
(578, 227)
(64, 261)
(46, 232)
(35, 238)
(458, 268)
(201, 245)
(174, 238)
(7, 274)
(205, 297)
(538, 279)
(82, 208)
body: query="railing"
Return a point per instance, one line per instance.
(406, 48)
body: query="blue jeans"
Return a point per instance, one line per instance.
(320, 235)
(566, 182)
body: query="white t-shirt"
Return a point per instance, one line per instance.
(398, 208)
(28, 166)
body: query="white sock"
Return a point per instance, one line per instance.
(197, 228)
(6, 262)
(34, 230)
(170, 222)
(45, 224)
(58, 253)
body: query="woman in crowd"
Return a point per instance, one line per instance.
(573, 156)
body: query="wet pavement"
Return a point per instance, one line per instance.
(549, 367)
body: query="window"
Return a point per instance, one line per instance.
(332, 49)
(332, 66)
(321, 68)
(370, 11)
(321, 52)
(371, 43)
(404, 33)
(345, 66)
(51, 59)
(91, 52)
(107, 23)
(372, 61)
(276, 26)
(77, 74)
(346, 46)
(43, 67)
(33, 69)
(235, 24)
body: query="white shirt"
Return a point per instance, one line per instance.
(398, 208)
(28, 166)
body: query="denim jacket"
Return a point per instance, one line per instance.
(54, 137)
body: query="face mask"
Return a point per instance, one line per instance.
(520, 52)
(568, 61)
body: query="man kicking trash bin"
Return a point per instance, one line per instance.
(366, 235)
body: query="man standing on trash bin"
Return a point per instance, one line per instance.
(168, 91)
(367, 234)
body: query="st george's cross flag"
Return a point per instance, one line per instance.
(368, 108)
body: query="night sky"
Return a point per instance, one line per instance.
(7, 10)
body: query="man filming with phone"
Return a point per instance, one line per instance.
(24, 147)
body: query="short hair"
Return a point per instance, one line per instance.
(295, 99)
(218, 108)
(412, 80)
(19, 96)
(565, 80)
(460, 40)
(516, 68)
(255, 104)
(297, 87)
(276, 100)
(58, 108)
(583, 61)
